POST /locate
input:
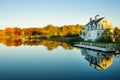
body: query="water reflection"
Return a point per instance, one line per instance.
(34, 42)
(99, 60)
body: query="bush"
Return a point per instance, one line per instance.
(55, 36)
(71, 35)
(76, 39)
(105, 37)
(117, 39)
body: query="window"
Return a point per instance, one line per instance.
(83, 33)
(88, 27)
(98, 34)
(99, 27)
(95, 27)
(89, 34)
(104, 21)
(102, 27)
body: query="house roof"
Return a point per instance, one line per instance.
(94, 21)
(97, 20)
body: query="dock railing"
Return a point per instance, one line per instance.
(107, 46)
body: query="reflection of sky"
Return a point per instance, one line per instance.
(32, 51)
(37, 62)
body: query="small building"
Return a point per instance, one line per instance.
(95, 27)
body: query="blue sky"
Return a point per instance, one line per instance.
(38, 13)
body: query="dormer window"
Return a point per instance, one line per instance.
(88, 27)
(95, 27)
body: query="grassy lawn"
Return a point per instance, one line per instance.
(104, 43)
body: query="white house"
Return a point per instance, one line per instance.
(95, 27)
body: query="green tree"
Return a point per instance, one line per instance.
(107, 36)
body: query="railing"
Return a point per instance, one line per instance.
(101, 45)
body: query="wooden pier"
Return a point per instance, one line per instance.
(98, 47)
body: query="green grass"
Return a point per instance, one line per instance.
(102, 44)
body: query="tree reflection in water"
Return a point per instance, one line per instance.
(97, 59)
(35, 42)
(100, 60)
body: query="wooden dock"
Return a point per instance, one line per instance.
(103, 48)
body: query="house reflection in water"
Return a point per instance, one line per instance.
(98, 59)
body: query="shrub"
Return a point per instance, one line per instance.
(105, 37)
(76, 39)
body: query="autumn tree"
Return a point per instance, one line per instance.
(117, 34)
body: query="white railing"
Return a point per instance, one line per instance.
(101, 45)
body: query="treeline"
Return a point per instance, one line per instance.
(47, 31)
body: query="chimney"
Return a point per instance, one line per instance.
(90, 19)
(97, 17)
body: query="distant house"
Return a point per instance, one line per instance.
(95, 27)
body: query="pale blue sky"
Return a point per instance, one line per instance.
(38, 13)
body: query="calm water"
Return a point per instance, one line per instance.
(55, 61)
